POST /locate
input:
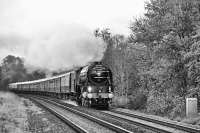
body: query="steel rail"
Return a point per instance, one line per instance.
(62, 117)
(157, 129)
(178, 126)
(106, 124)
(164, 129)
(166, 124)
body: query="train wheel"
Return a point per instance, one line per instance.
(106, 106)
(79, 100)
(88, 103)
(82, 102)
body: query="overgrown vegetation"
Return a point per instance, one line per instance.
(158, 65)
(12, 118)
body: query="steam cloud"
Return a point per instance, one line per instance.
(59, 47)
(47, 34)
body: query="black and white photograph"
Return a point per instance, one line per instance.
(99, 66)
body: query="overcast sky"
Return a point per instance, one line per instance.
(54, 31)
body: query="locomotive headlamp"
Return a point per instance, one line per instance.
(98, 74)
(109, 89)
(89, 88)
(84, 94)
(89, 95)
(110, 95)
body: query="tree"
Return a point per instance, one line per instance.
(12, 70)
(119, 56)
(166, 31)
(161, 55)
(169, 30)
(37, 74)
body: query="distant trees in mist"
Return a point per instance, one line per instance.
(13, 70)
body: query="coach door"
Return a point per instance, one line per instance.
(72, 82)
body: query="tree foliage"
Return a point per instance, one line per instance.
(169, 30)
(13, 70)
(124, 59)
(160, 58)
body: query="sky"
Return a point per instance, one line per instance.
(56, 34)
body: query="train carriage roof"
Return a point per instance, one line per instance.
(40, 80)
(55, 77)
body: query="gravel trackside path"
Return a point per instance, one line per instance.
(20, 115)
(13, 116)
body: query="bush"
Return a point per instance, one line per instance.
(159, 103)
(138, 101)
(192, 120)
(178, 107)
(120, 101)
(166, 104)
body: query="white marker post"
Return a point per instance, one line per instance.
(191, 107)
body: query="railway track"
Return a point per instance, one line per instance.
(134, 119)
(152, 123)
(92, 112)
(103, 123)
(65, 119)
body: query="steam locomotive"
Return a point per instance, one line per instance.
(90, 85)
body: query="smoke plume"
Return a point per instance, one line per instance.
(47, 34)
(59, 47)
